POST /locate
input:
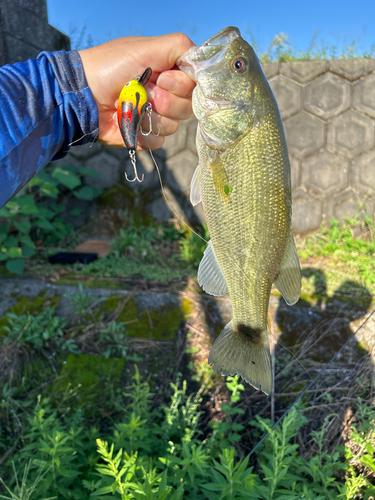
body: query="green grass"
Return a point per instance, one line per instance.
(341, 255)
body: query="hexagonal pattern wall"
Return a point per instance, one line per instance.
(328, 110)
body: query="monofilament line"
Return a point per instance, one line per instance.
(310, 385)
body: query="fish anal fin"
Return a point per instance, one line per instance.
(210, 275)
(288, 278)
(236, 354)
(195, 187)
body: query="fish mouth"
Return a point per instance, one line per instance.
(211, 52)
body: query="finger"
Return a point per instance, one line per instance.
(169, 105)
(160, 125)
(176, 82)
(145, 143)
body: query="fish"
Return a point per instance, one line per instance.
(243, 181)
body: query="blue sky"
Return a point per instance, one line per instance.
(339, 22)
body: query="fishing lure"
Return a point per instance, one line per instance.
(131, 109)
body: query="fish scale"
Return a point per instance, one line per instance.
(244, 185)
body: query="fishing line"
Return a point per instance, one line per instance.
(310, 385)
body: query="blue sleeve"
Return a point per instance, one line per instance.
(45, 105)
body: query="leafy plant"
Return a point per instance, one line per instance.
(193, 245)
(83, 299)
(34, 214)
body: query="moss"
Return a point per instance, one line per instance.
(108, 285)
(157, 324)
(118, 197)
(87, 375)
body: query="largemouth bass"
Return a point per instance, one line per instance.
(243, 181)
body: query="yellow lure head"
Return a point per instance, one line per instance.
(131, 108)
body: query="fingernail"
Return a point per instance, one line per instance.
(166, 82)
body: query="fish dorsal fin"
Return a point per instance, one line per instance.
(210, 275)
(288, 278)
(195, 187)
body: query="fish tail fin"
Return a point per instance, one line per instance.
(237, 354)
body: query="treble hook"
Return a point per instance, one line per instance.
(133, 160)
(149, 113)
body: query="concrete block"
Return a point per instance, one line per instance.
(28, 26)
(305, 134)
(37, 7)
(326, 96)
(295, 172)
(364, 95)
(350, 134)
(306, 212)
(288, 95)
(87, 151)
(324, 174)
(67, 160)
(347, 205)
(362, 174)
(18, 50)
(303, 72)
(352, 69)
(109, 169)
(270, 69)
(180, 170)
(177, 142)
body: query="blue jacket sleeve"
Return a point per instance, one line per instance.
(45, 105)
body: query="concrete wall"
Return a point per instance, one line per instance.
(25, 32)
(328, 110)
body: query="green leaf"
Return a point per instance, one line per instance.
(15, 266)
(76, 211)
(89, 172)
(57, 207)
(87, 193)
(4, 212)
(28, 252)
(29, 210)
(14, 252)
(70, 168)
(26, 199)
(26, 240)
(49, 189)
(3, 256)
(228, 189)
(35, 181)
(44, 224)
(10, 241)
(66, 178)
(23, 225)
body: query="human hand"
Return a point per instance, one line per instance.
(110, 66)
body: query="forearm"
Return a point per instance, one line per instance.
(45, 105)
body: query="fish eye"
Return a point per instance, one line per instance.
(239, 65)
(127, 85)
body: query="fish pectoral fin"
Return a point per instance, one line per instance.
(210, 275)
(288, 278)
(195, 187)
